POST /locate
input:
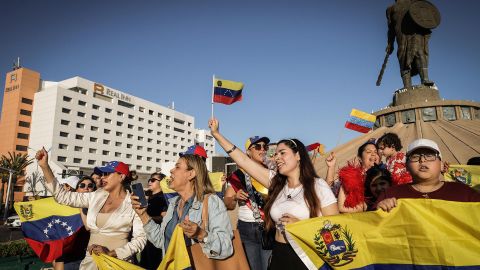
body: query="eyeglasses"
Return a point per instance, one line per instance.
(151, 180)
(258, 147)
(83, 185)
(426, 157)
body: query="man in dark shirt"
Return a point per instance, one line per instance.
(424, 164)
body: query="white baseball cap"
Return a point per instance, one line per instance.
(423, 143)
(72, 181)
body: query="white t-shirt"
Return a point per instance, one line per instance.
(292, 201)
(245, 214)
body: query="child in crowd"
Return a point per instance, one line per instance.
(389, 146)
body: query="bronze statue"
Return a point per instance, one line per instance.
(409, 22)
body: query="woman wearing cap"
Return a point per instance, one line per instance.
(110, 217)
(424, 163)
(189, 178)
(351, 191)
(294, 193)
(243, 189)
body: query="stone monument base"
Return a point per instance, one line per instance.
(417, 93)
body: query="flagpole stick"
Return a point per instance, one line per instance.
(340, 137)
(213, 90)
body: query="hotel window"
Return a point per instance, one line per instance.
(108, 121)
(167, 143)
(408, 116)
(189, 124)
(149, 140)
(79, 137)
(189, 141)
(167, 127)
(63, 134)
(129, 155)
(159, 142)
(139, 167)
(80, 125)
(117, 154)
(149, 158)
(24, 124)
(78, 149)
(65, 110)
(92, 150)
(157, 160)
(140, 119)
(118, 144)
(159, 124)
(449, 113)
(27, 101)
(25, 112)
(93, 128)
(61, 159)
(140, 128)
(466, 113)
(21, 148)
(82, 103)
(139, 147)
(150, 112)
(429, 114)
(93, 139)
(150, 131)
(139, 157)
(141, 109)
(105, 152)
(129, 136)
(77, 160)
(390, 119)
(118, 134)
(140, 138)
(62, 146)
(189, 133)
(80, 114)
(129, 145)
(159, 151)
(64, 122)
(167, 153)
(175, 137)
(149, 168)
(108, 110)
(175, 145)
(150, 122)
(22, 136)
(159, 133)
(106, 141)
(130, 126)
(91, 162)
(106, 131)
(159, 114)
(167, 135)
(167, 117)
(95, 107)
(120, 113)
(94, 117)
(67, 99)
(149, 149)
(130, 116)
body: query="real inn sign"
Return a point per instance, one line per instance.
(104, 91)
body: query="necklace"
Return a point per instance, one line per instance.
(289, 193)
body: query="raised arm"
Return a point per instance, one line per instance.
(254, 169)
(330, 161)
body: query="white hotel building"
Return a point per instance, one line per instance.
(87, 124)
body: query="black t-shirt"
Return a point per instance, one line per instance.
(157, 204)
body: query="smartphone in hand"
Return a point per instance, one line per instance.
(138, 191)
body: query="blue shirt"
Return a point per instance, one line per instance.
(176, 219)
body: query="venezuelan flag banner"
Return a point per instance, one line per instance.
(360, 121)
(215, 177)
(176, 256)
(417, 234)
(48, 227)
(227, 92)
(105, 262)
(467, 174)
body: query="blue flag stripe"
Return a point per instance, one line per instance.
(52, 227)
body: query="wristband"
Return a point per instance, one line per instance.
(231, 150)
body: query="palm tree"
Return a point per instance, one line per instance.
(16, 162)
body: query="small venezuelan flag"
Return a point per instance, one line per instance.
(360, 121)
(227, 92)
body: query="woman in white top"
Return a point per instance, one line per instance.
(110, 216)
(295, 192)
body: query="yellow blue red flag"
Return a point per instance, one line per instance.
(417, 234)
(215, 178)
(176, 257)
(105, 262)
(467, 174)
(360, 121)
(49, 228)
(227, 92)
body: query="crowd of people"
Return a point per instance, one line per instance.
(117, 224)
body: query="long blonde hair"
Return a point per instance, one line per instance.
(202, 184)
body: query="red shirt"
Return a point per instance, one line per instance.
(450, 191)
(396, 167)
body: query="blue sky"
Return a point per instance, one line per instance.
(305, 64)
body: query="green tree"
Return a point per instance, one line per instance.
(14, 161)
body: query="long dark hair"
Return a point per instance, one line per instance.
(307, 179)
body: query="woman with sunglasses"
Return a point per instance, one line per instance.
(110, 216)
(156, 209)
(294, 192)
(245, 190)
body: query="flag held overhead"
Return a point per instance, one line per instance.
(360, 121)
(227, 92)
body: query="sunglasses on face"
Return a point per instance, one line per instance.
(151, 180)
(83, 185)
(258, 147)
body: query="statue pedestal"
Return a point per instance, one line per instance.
(418, 93)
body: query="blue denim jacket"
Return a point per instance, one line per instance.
(219, 240)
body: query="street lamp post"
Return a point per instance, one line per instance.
(9, 186)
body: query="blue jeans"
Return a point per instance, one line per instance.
(257, 257)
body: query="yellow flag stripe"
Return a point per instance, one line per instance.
(39, 209)
(232, 85)
(363, 115)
